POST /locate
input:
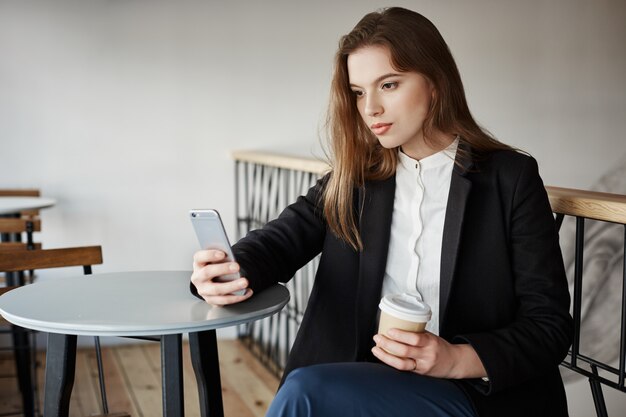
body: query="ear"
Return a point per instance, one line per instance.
(433, 95)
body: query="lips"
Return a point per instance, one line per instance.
(380, 128)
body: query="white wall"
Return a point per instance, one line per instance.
(125, 110)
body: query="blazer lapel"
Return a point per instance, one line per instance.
(376, 200)
(460, 188)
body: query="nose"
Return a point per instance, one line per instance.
(373, 106)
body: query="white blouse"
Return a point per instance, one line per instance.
(419, 210)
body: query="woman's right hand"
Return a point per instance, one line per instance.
(210, 264)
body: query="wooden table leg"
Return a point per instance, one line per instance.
(205, 361)
(172, 375)
(60, 371)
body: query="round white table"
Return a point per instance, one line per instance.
(133, 304)
(14, 205)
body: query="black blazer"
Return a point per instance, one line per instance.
(503, 285)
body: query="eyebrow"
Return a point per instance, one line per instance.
(379, 79)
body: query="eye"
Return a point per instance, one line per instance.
(389, 85)
(357, 93)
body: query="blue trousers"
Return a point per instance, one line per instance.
(367, 390)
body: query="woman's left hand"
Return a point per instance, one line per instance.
(427, 354)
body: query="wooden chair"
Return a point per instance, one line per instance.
(13, 227)
(604, 207)
(12, 230)
(16, 261)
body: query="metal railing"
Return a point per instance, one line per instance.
(265, 185)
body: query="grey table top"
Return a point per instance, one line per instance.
(12, 205)
(129, 304)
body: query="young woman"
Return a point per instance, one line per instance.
(419, 200)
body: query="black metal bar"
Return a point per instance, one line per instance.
(578, 284)
(87, 270)
(32, 334)
(30, 245)
(247, 196)
(30, 228)
(60, 371)
(622, 339)
(584, 372)
(103, 391)
(598, 364)
(598, 396)
(172, 375)
(205, 361)
(23, 364)
(237, 189)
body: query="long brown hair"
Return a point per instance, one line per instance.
(415, 45)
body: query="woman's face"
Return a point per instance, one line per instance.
(393, 104)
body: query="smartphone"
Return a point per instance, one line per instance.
(211, 234)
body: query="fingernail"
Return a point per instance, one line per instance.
(219, 255)
(232, 267)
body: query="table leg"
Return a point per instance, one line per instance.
(172, 375)
(60, 371)
(21, 338)
(23, 364)
(205, 361)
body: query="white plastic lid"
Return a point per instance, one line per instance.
(406, 307)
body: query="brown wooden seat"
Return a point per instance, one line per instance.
(20, 225)
(85, 256)
(24, 260)
(19, 192)
(17, 246)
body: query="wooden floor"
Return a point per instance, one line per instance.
(133, 379)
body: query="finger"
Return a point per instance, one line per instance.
(393, 347)
(230, 287)
(409, 338)
(402, 364)
(212, 288)
(204, 257)
(222, 300)
(211, 271)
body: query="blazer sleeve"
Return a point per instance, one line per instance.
(539, 337)
(280, 248)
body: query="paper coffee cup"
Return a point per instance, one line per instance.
(403, 311)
